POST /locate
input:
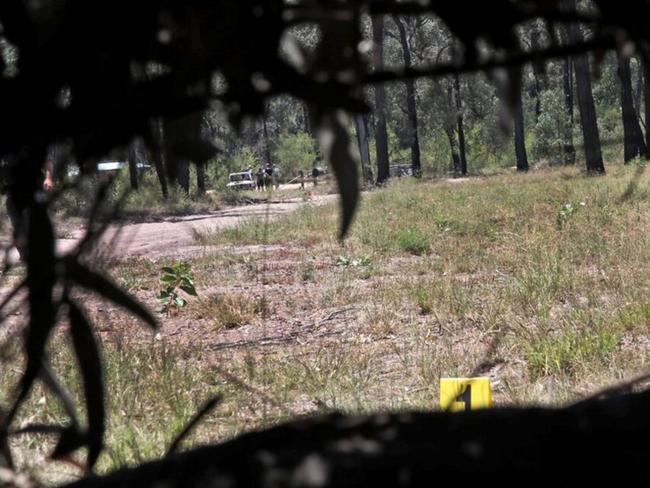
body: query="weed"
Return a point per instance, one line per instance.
(230, 311)
(567, 211)
(353, 262)
(412, 241)
(176, 277)
(307, 273)
(570, 352)
(634, 317)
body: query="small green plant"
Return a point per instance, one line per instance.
(307, 273)
(571, 351)
(567, 211)
(353, 262)
(176, 277)
(413, 241)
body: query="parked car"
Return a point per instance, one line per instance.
(241, 181)
(108, 167)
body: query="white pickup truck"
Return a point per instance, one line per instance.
(241, 181)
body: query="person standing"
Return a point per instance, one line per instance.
(20, 218)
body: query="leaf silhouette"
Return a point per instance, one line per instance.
(94, 281)
(335, 144)
(87, 352)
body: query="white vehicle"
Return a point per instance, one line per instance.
(241, 181)
(106, 167)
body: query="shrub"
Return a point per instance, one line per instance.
(413, 241)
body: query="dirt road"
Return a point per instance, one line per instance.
(175, 236)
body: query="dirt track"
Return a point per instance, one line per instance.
(175, 236)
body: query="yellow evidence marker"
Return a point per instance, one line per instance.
(465, 394)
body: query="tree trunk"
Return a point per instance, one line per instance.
(520, 136)
(455, 158)
(267, 143)
(411, 106)
(200, 178)
(361, 124)
(381, 134)
(594, 158)
(538, 70)
(183, 175)
(305, 118)
(461, 127)
(569, 148)
(639, 91)
(133, 166)
(632, 135)
(158, 154)
(646, 103)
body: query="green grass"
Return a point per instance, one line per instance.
(571, 353)
(435, 279)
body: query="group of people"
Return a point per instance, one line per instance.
(267, 177)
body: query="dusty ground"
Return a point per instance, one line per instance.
(174, 237)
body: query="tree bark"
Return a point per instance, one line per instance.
(381, 134)
(453, 148)
(200, 178)
(461, 127)
(538, 70)
(133, 167)
(267, 142)
(361, 125)
(632, 135)
(411, 106)
(305, 118)
(593, 154)
(158, 154)
(646, 104)
(569, 148)
(183, 175)
(520, 136)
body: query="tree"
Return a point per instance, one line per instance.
(520, 136)
(381, 134)
(361, 126)
(632, 135)
(646, 102)
(591, 136)
(461, 127)
(567, 86)
(133, 167)
(411, 107)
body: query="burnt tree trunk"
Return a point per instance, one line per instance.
(411, 106)
(183, 174)
(569, 148)
(593, 154)
(520, 135)
(157, 148)
(381, 134)
(133, 167)
(200, 178)
(267, 142)
(646, 104)
(305, 119)
(632, 135)
(361, 125)
(460, 122)
(538, 70)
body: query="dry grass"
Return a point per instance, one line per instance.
(436, 279)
